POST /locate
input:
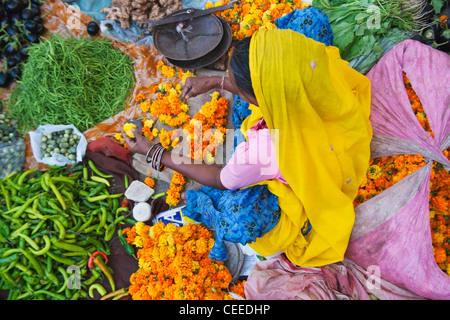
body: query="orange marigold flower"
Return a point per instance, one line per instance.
(173, 264)
(440, 255)
(149, 181)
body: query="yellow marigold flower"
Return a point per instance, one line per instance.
(186, 75)
(374, 172)
(209, 5)
(175, 142)
(140, 97)
(145, 106)
(119, 137)
(209, 157)
(170, 227)
(127, 127)
(149, 123)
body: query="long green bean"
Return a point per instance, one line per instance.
(68, 80)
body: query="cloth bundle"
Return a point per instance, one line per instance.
(392, 230)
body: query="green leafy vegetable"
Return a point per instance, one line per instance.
(359, 25)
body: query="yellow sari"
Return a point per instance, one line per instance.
(321, 108)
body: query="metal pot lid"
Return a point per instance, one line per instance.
(210, 57)
(189, 39)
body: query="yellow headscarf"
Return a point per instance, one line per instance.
(321, 108)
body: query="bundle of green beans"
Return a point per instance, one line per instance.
(71, 81)
(50, 225)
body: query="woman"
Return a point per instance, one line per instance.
(319, 108)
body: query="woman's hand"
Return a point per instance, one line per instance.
(195, 86)
(139, 144)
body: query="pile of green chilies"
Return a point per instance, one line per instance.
(71, 81)
(51, 222)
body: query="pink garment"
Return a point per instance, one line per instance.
(253, 161)
(279, 279)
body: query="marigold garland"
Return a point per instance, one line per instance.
(251, 15)
(385, 171)
(205, 131)
(177, 185)
(174, 264)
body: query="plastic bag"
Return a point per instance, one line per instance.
(56, 159)
(392, 234)
(12, 157)
(134, 34)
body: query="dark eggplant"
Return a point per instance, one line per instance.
(12, 30)
(38, 19)
(30, 25)
(40, 29)
(14, 17)
(27, 14)
(36, 8)
(32, 38)
(18, 57)
(23, 52)
(11, 49)
(5, 79)
(13, 5)
(11, 62)
(15, 72)
(93, 29)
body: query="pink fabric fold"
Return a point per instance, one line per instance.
(392, 230)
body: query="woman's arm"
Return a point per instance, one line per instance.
(203, 173)
(198, 85)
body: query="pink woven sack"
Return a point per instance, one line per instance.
(392, 230)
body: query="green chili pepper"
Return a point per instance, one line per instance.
(36, 265)
(86, 224)
(63, 260)
(104, 197)
(100, 179)
(13, 185)
(25, 205)
(57, 194)
(66, 246)
(16, 232)
(60, 227)
(50, 294)
(126, 181)
(97, 171)
(128, 247)
(50, 276)
(158, 195)
(96, 286)
(65, 278)
(24, 175)
(6, 196)
(44, 180)
(104, 215)
(29, 241)
(11, 258)
(85, 173)
(44, 249)
(4, 229)
(95, 275)
(77, 168)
